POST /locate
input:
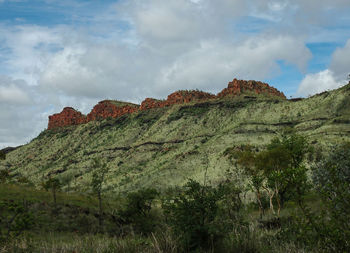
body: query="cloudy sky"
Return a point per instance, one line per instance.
(57, 53)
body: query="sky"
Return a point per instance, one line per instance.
(58, 53)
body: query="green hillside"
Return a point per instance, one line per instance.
(167, 146)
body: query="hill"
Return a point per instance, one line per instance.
(163, 143)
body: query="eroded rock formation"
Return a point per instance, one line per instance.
(178, 97)
(69, 116)
(237, 87)
(185, 96)
(114, 109)
(107, 108)
(150, 103)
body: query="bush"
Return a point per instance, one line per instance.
(193, 216)
(137, 211)
(332, 179)
(14, 219)
(328, 229)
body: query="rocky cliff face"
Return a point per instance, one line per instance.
(185, 96)
(150, 103)
(67, 117)
(178, 97)
(106, 108)
(113, 109)
(236, 87)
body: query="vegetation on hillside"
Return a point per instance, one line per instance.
(244, 174)
(201, 216)
(168, 146)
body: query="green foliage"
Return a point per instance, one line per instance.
(54, 185)
(193, 111)
(100, 169)
(284, 168)
(137, 210)
(2, 155)
(14, 219)
(98, 175)
(4, 175)
(279, 169)
(51, 184)
(328, 228)
(193, 213)
(332, 179)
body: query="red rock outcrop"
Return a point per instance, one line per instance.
(178, 97)
(107, 108)
(150, 103)
(114, 109)
(185, 96)
(236, 87)
(67, 117)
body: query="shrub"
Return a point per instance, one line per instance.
(193, 216)
(14, 219)
(137, 211)
(327, 229)
(332, 179)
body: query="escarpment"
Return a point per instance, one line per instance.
(236, 87)
(108, 108)
(114, 109)
(69, 116)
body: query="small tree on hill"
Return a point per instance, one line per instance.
(279, 169)
(192, 214)
(4, 175)
(54, 185)
(137, 210)
(2, 155)
(247, 160)
(98, 176)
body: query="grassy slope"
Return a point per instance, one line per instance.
(167, 146)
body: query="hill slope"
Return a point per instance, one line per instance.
(166, 146)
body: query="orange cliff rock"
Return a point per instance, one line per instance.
(150, 103)
(67, 117)
(236, 87)
(178, 97)
(107, 108)
(114, 109)
(185, 96)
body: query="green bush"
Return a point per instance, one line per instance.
(193, 216)
(332, 179)
(326, 229)
(137, 211)
(14, 219)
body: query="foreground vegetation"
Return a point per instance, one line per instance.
(293, 199)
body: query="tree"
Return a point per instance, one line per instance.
(2, 155)
(4, 175)
(328, 227)
(283, 167)
(332, 179)
(137, 210)
(14, 219)
(279, 169)
(98, 176)
(54, 185)
(247, 159)
(192, 214)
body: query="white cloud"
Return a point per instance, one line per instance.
(331, 78)
(142, 48)
(317, 83)
(214, 63)
(340, 64)
(30, 47)
(13, 92)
